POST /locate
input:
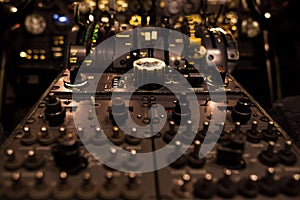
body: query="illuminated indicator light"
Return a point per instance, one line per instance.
(105, 19)
(147, 36)
(234, 28)
(23, 54)
(13, 9)
(267, 15)
(28, 57)
(63, 19)
(42, 57)
(43, 51)
(35, 57)
(55, 16)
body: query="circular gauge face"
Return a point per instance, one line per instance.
(35, 23)
(174, 7)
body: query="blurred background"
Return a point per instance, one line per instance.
(34, 41)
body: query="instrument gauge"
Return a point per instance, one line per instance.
(35, 23)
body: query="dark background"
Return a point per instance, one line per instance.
(20, 91)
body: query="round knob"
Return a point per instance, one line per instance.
(54, 112)
(241, 112)
(149, 73)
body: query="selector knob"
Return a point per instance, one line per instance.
(118, 110)
(54, 112)
(67, 155)
(149, 73)
(241, 112)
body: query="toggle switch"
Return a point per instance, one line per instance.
(268, 185)
(249, 187)
(270, 134)
(194, 160)
(33, 161)
(253, 135)
(132, 139)
(63, 190)
(117, 136)
(110, 190)
(205, 187)
(88, 189)
(269, 156)
(13, 160)
(286, 156)
(40, 190)
(226, 188)
(170, 134)
(28, 137)
(132, 190)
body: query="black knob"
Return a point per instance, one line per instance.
(67, 155)
(230, 153)
(54, 112)
(205, 187)
(241, 112)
